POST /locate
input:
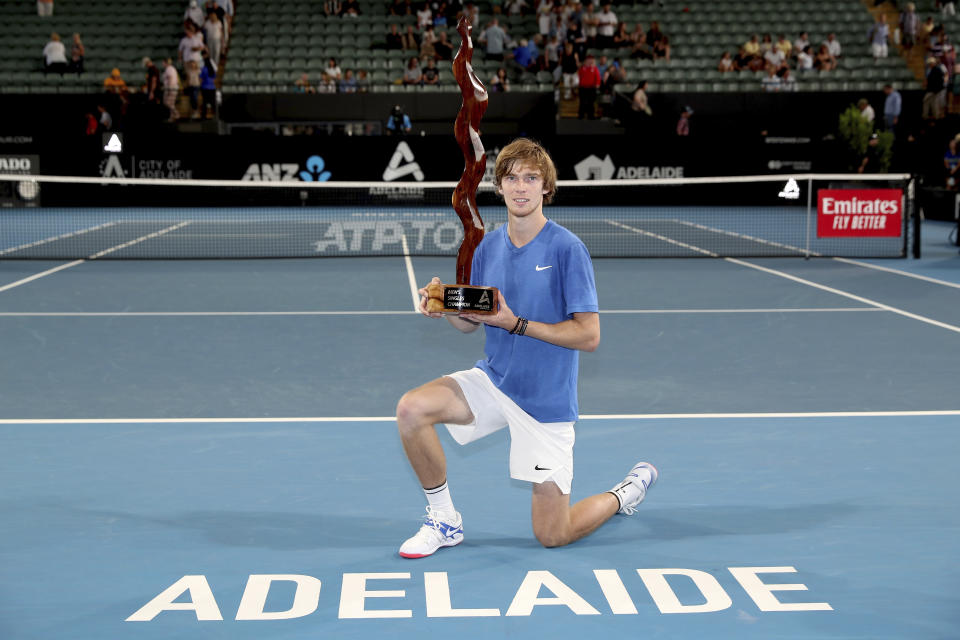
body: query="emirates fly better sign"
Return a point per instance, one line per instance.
(859, 213)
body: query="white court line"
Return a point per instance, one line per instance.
(64, 236)
(623, 416)
(37, 276)
(809, 283)
(99, 254)
(411, 278)
(840, 292)
(745, 236)
(899, 272)
(115, 314)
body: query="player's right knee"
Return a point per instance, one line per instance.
(412, 411)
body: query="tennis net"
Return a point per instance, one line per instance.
(47, 217)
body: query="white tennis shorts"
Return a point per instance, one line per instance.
(539, 451)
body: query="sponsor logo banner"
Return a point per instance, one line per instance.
(859, 213)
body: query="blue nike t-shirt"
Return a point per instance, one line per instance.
(547, 280)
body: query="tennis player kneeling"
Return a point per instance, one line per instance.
(528, 379)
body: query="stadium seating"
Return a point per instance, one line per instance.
(274, 41)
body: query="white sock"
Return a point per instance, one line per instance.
(439, 499)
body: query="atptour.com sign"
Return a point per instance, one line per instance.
(396, 595)
(429, 233)
(859, 213)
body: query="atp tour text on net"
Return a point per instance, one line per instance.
(396, 593)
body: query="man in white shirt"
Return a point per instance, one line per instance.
(833, 45)
(191, 47)
(606, 27)
(171, 88)
(54, 55)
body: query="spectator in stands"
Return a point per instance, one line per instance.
(171, 89)
(639, 103)
(726, 63)
(394, 38)
(590, 22)
(302, 84)
(224, 9)
(774, 57)
(742, 60)
(351, 9)
(575, 35)
(640, 47)
(621, 37)
(151, 87)
(412, 74)
(879, 35)
(430, 73)
(606, 27)
(545, 18)
(104, 120)
(328, 84)
(333, 69)
(801, 42)
(892, 106)
(524, 55)
(833, 47)
(114, 83)
(348, 83)
(363, 81)
(427, 40)
(871, 159)
(54, 55)
(193, 15)
(655, 34)
(943, 51)
(787, 81)
(472, 13)
(494, 38)
(411, 41)
(192, 88)
(500, 83)
(44, 8)
(588, 80)
(752, 50)
(934, 99)
(805, 59)
(208, 85)
(213, 29)
(569, 65)
(551, 54)
(661, 50)
(517, 7)
(424, 16)
(332, 8)
(771, 82)
(442, 47)
(951, 164)
(784, 46)
(766, 44)
(866, 111)
(398, 123)
(77, 53)
(909, 26)
(683, 124)
(824, 61)
(191, 45)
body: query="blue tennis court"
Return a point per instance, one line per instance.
(206, 449)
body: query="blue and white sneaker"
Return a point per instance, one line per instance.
(439, 530)
(633, 489)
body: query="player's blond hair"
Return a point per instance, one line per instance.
(526, 151)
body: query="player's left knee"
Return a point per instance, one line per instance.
(550, 538)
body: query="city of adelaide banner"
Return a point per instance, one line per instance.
(859, 213)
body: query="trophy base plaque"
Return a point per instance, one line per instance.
(458, 298)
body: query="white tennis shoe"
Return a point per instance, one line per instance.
(633, 489)
(439, 530)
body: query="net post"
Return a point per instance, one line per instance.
(809, 214)
(912, 214)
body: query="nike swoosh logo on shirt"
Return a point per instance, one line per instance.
(539, 268)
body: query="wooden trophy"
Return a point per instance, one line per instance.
(463, 297)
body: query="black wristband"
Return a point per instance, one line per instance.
(523, 327)
(516, 327)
